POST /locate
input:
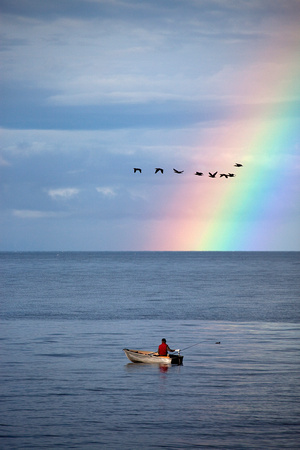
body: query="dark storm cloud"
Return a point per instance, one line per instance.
(136, 9)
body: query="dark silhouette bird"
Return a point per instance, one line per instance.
(136, 169)
(178, 171)
(158, 169)
(199, 174)
(212, 175)
(238, 165)
(231, 175)
(223, 175)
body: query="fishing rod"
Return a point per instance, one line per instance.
(201, 342)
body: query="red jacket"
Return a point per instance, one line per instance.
(163, 349)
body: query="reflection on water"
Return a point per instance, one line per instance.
(140, 367)
(163, 368)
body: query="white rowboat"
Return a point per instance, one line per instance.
(141, 356)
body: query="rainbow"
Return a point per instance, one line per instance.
(231, 214)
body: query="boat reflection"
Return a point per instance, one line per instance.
(135, 367)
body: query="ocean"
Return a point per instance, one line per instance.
(66, 382)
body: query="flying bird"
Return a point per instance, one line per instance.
(136, 169)
(158, 169)
(238, 165)
(212, 175)
(231, 175)
(199, 173)
(178, 171)
(223, 175)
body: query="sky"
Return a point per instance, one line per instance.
(91, 89)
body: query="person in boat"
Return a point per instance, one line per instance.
(163, 348)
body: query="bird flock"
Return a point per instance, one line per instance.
(200, 174)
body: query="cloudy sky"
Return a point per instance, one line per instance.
(91, 89)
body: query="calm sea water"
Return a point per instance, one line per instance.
(65, 382)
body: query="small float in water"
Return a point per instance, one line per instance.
(141, 356)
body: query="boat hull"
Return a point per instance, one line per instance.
(140, 356)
